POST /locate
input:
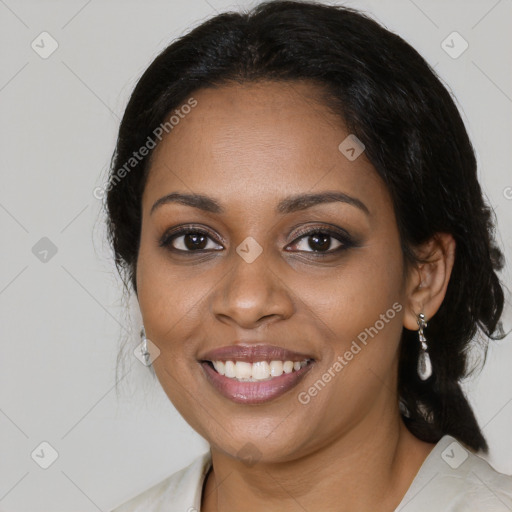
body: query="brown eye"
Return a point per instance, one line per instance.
(188, 240)
(322, 241)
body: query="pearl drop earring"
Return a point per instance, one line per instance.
(424, 363)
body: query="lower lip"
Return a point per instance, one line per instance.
(254, 392)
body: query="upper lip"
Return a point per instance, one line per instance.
(252, 353)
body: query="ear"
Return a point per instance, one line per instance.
(427, 281)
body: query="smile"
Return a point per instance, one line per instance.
(254, 373)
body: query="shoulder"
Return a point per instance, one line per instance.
(179, 492)
(454, 479)
(483, 487)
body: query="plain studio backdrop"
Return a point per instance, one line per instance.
(67, 71)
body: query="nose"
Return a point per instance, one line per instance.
(252, 294)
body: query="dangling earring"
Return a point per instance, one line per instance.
(144, 347)
(424, 363)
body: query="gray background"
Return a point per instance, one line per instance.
(62, 319)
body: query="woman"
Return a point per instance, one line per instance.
(294, 200)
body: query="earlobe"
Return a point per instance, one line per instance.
(428, 280)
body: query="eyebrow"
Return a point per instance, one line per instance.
(288, 205)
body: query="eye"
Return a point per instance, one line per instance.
(188, 240)
(322, 241)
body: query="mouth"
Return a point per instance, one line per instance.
(252, 374)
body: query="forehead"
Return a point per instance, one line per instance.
(255, 141)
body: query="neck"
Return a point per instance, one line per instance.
(367, 469)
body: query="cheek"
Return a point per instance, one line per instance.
(170, 297)
(362, 302)
(170, 303)
(360, 310)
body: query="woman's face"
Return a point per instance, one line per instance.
(323, 280)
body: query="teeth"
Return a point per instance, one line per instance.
(288, 366)
(260, 370)
(243, 370)
(276, 368)
(220, 367)
(229, 368)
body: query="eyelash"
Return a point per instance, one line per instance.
(341, 236)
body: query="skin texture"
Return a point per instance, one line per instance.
(250, 146)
